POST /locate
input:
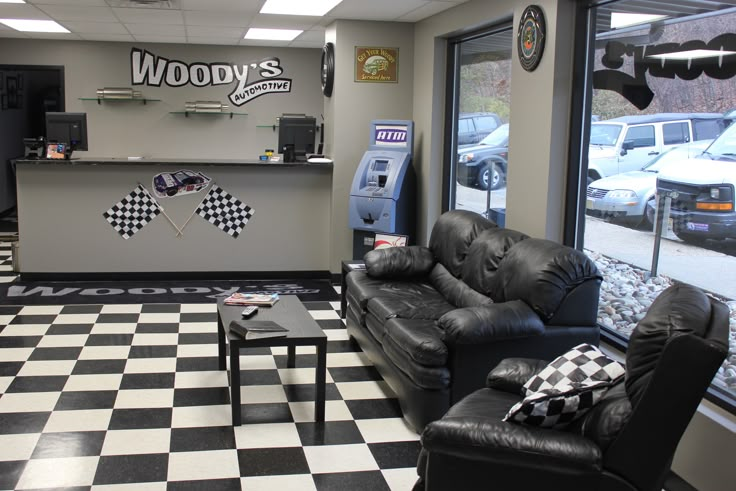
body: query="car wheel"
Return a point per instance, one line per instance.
(692, 239)
(491, 175)
(171, 191)
(649, 213)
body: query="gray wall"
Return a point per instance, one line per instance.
(120, 129)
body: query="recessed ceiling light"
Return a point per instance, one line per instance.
(272, 34)
(30, 25)
(299, 7)
(12, 1)
(624, 19)
(692, 54)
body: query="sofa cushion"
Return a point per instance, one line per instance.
(485, 255)
(452, 235)
(430, 307)
(399, 262)
(362, 288)
(420, 339)
(456, 291)
(424, 376)
(541, 273)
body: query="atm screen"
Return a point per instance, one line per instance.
(380, 165)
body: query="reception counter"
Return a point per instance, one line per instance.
(62, 229)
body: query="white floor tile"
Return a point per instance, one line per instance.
(196, 350)
(122, 309)
(18, 447)
(4, 319)
(5, 383)
(303, 412)
(76, 319)
(191, 380)
(139, 486)
(104, 353)
(150, 365)
(126, 442)
(197, 327)
(337, 334)
(155, 317)
(213, 464)
(324, 314)
(17, 354)
(272, 435)
(365, 390)
(114, 328)
(400, 479)
(200, 416)
(82, 420)
(7, 279)
(347, 360)
(291, 376)
(296, 482)
(256, 362)
(100, 381)
(300, 350)
(63, 341)
(385, 430)
(339, 458)
(47, 367)
(146, 339)
(56, 473)
(144, 398)
(262, 394)
(199, 307)
(23, 329)
(336, 305)
(28, 402)
(40, 309)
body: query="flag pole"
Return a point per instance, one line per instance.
(163, 212)
(181, 232)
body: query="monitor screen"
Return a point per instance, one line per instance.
(69, 128)
(380, 166)
(299, 131)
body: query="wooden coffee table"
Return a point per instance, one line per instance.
(303, 331)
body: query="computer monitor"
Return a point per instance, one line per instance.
(299, 131)
(69, 128)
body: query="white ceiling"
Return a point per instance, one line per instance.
(223, 22)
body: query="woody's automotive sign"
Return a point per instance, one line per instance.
(149, 69)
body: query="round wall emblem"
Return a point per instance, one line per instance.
(530, 37)
(328, 68)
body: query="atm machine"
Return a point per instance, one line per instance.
(383, 194)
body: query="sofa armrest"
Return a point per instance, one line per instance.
(512, 373)
(399, 262)
(475, 325)
(483, 439)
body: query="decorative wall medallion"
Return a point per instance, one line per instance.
(530, 37)
(328, 69)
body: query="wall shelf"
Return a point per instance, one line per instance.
(100, 99)
(228, 113)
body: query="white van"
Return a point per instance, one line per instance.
(702, 192)
(627, 143)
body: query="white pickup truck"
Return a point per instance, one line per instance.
(702, 192)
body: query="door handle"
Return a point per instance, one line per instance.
(653, 153)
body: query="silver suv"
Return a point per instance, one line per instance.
(473, 127)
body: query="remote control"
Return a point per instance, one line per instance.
(250, 311)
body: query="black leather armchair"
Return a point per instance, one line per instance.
(624, 443)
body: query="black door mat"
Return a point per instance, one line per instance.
(135, 292)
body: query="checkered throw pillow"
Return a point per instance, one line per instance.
(566, 388)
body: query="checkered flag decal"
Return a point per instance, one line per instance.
(224, 211)
(133, 212)
(582, 363)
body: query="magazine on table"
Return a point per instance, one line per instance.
(238, 298)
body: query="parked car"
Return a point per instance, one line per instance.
(627, 143)
(179, 182)
(473, 127)
(485, 164)
(625, 196)
(702, 192)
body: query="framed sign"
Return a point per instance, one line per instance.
(530, 37)
(377, 65)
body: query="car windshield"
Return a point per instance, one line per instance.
(604, 134)
(724, 147)
(498, 137)
(181, 176)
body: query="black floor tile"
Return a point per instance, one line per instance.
(119, 469)
(197, 364)
(10, 368)
(374, 408)
(346, 346)
(152, 352)
(205, 485)
(33, 319)
(89, 367)
(56, 329)
(117, 318)
(148, 381)
(19, 341)
(90, 399)
(109, 340)
(55, 353)
(260, 377)
(10, 473)
(13, 423)
(317, 305)
(199, 439)
(272, 461)
(81, 309)
(329, 433)
(355, 481)
(69, 444)
(266, 413)
(330, 324)
(305, 392)
(206, 396)
(45, 383)
(134, 419)
(10, 309)
(157, 328)
(161, 308)
(198, 317)
(198, 338)
(354, 374)
(394, 455)
(302, 361)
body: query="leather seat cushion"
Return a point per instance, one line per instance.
(423, 376)
(489, 404)
(362, 288)
(429, 305)
(420, 339)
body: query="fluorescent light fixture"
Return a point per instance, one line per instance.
(12, 1)
(299, 7)
(622, 19)
(30, 25)
(272, 34)
(692, 54)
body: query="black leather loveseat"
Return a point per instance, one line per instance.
(434, 320)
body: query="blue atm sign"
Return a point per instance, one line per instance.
(391, 135)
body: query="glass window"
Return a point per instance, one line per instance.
(486, 123)
(674, 133)
(640, 136)
(706, 129)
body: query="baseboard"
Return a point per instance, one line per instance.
(178, 276)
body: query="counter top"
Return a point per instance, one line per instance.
(167, 161)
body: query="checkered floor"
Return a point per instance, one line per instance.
(6, 263)
(129, 397)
